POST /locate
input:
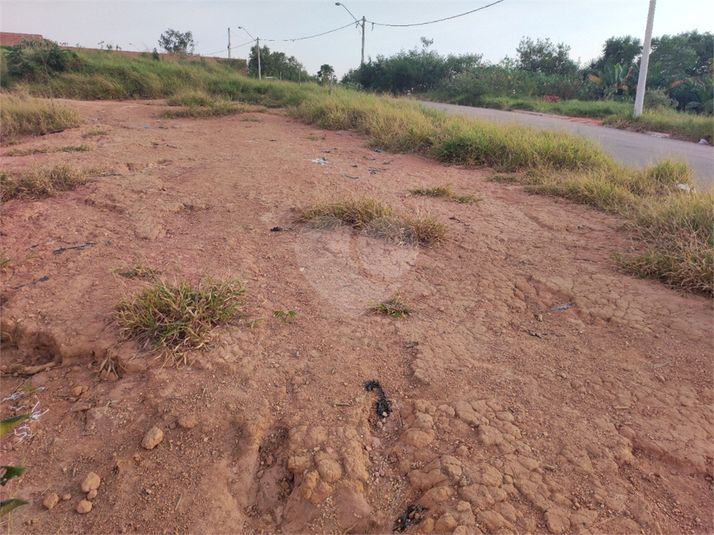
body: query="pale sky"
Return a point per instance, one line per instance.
(494, 32)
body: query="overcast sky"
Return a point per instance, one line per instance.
(494, 32)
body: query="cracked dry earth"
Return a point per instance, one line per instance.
(511, 413)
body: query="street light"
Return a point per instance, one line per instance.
(357, 21)
(257, 42)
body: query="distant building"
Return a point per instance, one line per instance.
(12, 39)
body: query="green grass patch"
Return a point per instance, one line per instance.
(178, 316)
(41, 182)
(22, 115)
(45, 149)
(679, 125)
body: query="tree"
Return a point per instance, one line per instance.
(276, 65)
(176, 42)
(622, 50)
(326, 73)
(545, 57)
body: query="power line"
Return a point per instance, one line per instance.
(300, 38)
(316, 35)
(433, 21)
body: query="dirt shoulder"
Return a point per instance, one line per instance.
(534, 388)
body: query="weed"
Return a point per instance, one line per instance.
(287, 316)
(9, 472)
(375, 218)
(437, 191)
(178, 316)
(444, 191)
(140, 271)
(4, 260)
(356, 213)
(41, 182)
(428, 229)
(45, 149)
(393, 307)
(94, 133)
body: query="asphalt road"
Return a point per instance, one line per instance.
(630, 149)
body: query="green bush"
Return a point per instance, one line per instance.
(37, 60)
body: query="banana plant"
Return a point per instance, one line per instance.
(612, 79)
(8, 472)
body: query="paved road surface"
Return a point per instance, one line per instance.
(630, 149)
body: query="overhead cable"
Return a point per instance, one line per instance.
(433, 21)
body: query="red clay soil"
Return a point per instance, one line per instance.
(533, 388)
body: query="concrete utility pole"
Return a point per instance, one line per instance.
(363, 21)
(644, 63)
(257, 42)
(229, 43)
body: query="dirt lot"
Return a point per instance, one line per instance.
(534, 388)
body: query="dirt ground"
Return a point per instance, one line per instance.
(534, 388)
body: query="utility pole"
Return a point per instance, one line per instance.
(257, 41)
(229, 43)
(363, 21)
(644, 62)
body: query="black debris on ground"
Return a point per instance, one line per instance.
(413, 515)
(382, 406)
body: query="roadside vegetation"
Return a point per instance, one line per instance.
(543, 78)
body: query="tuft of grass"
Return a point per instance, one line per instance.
(45, 149)
(428, 229)
(444, 191)
(355, 212)
(41, 182)
(94, 133)
(375, 218)
(178, 316)
(140, 271)
(5, 260)
(393, 307)
(22, 115)
(286, 316)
